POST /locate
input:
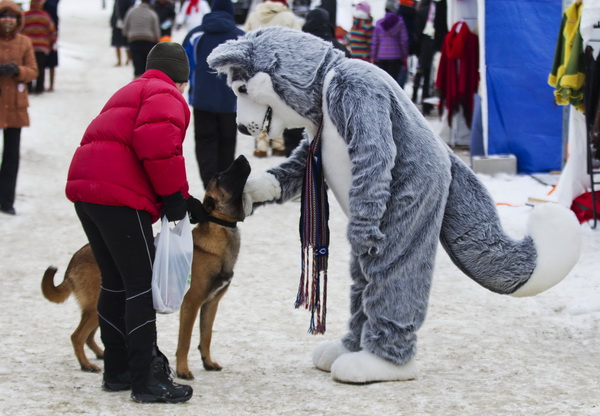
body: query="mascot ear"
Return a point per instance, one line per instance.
(233, 53)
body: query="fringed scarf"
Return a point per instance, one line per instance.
(314, 235)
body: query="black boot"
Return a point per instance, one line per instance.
(117, 383)
(160, 386)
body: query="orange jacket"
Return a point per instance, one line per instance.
(17, 48)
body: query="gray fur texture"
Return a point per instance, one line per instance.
(406, 192)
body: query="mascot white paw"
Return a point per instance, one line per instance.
(260, 188)
(327, 352)
(363, 367)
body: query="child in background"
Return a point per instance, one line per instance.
(361, 33)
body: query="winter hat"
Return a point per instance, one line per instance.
(364, 7)
(170, 58)
(222, 6)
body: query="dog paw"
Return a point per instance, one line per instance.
(326, 353)
(185, 375)
(211, 366)
(363, 367)
(90, 368)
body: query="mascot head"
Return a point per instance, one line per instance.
(277, 75)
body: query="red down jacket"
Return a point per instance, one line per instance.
(131, 153)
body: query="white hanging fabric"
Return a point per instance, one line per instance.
(589, 28)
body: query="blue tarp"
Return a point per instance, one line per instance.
(523, 119)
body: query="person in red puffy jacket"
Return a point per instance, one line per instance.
(128, 170)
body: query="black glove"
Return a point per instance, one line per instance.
(197, 212)
(9, 70)
(175, 207)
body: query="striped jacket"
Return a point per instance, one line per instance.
(359, 38)
(39, 27)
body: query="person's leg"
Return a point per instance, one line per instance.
(292, 138)
(139, 52)
(227, 140)
(426, 63)
(111, 303)
(118, 52)
(51, 72)
(207, 144)
(40, 58)
(277, 146)
(124, 244)
(122, 239)
(9, 169)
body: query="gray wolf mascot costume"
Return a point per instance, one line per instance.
(401, 187)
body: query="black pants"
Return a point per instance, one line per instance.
(424, 74)
(10, 167)
(391, 66)
(139, 52)
(291, 139)
(123, 245)
(38, 87)
(216, 136)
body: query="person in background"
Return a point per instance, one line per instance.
(431, 28)
(214, 103)
(118, 40)
(39, 27)
(17, 68)
(389, 45)
(165, 9)
(51, 7)
(127, 172)
(408, 11)
(272, 13)
(361, 32)
(191, 14)
(142, 31)
(266, 14)
(318, 23)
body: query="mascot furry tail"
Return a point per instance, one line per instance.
(473, 237)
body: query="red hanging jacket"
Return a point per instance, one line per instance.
(131, 153)
(458, 71)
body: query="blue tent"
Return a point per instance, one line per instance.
(518, 49)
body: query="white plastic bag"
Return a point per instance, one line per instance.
(172, 265)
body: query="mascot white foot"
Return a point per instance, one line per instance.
(364, 367)
(327, 352)
(402, 188)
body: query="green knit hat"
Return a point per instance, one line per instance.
(170, 58)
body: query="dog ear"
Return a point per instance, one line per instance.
(209, 204)
(233, 53)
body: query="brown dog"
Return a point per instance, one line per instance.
(216, 247)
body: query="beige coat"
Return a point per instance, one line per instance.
(271, 13)
(15, 47)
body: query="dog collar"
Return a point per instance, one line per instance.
(229, 224)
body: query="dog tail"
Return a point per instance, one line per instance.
(56, 294)
(476, 242)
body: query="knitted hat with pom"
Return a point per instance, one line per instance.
(170, 58)
(364, 7)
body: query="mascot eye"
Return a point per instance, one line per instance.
(242, 89)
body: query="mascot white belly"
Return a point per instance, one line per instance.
(336, 161)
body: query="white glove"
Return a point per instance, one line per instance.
(261, 188)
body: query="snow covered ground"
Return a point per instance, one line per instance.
(479, 353)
